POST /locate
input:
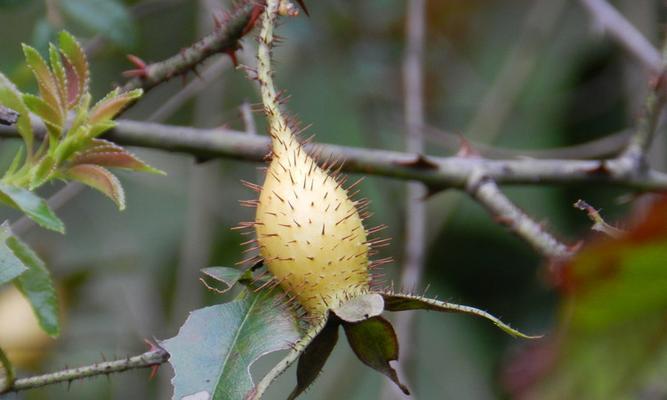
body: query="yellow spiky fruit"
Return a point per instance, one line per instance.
(309, 232)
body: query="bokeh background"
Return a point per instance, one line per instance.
(513, 77)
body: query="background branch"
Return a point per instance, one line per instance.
(415, 208)
(624, 33)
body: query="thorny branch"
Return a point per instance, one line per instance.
(486, 192)
(151, 358)
(225, 38)
(437, 172)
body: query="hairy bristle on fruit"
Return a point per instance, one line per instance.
(309, 232)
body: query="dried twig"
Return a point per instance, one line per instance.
(599, 223)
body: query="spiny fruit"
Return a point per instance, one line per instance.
(309, 232)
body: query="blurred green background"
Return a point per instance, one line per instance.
(552, 81)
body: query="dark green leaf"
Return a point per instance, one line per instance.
(375, 343)
(106, 17)
(32, 205)
(360, 308)
(10, 265)
(315, 356)
(217, 345)
(37, 286)
(404, 302)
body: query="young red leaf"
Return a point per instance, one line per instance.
(113, 157)
(59, 73)
(76, 67)
(99, 178)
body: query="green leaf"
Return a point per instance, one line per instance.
(42, 172)
(375, 344)
(76, 67)
(360, 308)
(45, 111)
(228, 276)
(315, 356)
(99, 178)
(10, 265)
(112, 104)
(404, 302)
(32, 205)
(215, 348)
(37, 286)
(12, 98)
(107, 17)
(6, 372)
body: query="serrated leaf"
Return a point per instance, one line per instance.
(42, 109)
(99, 178)
(76, 67)
(315, 356)
(11, 97)
(43, 171)
(59, 73)
(227, 276)
(48, 88)
(10, 265)
(404, 302)
(217, 345)
(6, 372)
(37, 286)
(375, 344)
(112, 104)
(32, 205)
(113, 157)
(107, 17)
(360, 308)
